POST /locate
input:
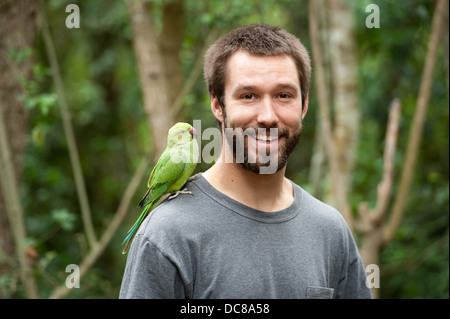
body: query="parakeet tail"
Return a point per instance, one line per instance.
(143, 200)
(135, 227)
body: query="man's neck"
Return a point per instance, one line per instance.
(265, 192)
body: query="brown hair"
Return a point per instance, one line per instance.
(256, 39)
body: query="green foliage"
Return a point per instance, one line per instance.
(103, 92)
(64, 219)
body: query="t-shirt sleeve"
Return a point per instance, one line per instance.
(352, 284)
(149, 274)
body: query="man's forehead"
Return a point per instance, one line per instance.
(247, 71)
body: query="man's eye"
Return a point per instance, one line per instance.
(284, 96)
(247, 97)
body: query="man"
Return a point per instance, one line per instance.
(247, 231)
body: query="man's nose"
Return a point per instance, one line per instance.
(267, 115)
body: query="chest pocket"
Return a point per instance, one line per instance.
(319, 293)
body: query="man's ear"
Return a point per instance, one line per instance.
(216, 109)
(305, 108)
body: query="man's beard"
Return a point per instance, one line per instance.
(259, 161)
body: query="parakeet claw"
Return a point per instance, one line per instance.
(184, 191)
(192, 177)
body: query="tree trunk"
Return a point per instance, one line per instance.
(323, 93)
(17, 32)
(445, 41)
(159, 66)
(345, 92)
(170, 42)
(318, 159)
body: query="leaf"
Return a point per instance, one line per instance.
(64, 218)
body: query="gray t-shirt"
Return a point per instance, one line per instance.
(207, 245)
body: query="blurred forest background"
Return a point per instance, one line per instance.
(84, 114)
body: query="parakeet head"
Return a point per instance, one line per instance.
(182, 143)
(181, 133)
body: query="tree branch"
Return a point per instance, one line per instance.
(14, 209)
(369, 219)
(385, 186)
(68, 129)
(415, 134)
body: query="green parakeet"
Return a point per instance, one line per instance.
(170, 173)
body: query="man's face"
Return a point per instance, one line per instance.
(263, 102)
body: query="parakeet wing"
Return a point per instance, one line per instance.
(164, 174)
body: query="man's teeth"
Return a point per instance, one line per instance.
(266, 138)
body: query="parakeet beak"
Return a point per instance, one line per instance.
(193, 132)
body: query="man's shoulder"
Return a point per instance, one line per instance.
(179, 214)
(320, 211)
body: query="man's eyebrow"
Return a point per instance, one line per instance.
(287, 86)
(243, 87)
